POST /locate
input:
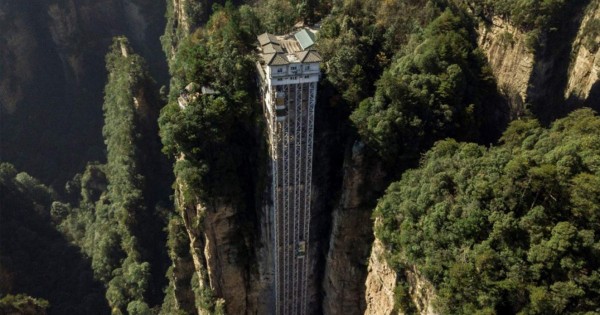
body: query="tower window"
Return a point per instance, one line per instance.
(280, 70)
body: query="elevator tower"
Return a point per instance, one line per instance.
(289, 71)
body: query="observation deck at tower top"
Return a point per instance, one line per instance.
(283, 51)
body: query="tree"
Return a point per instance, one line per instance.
(359, 39)
(22, 304)
(505, 229)
(212, 140)
(436, 91)
(114, 222)
(35, 259)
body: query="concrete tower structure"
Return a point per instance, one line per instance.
(289, 71)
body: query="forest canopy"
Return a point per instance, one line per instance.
(39, 270)
(113, 220)
(510, 229)
(435, 91)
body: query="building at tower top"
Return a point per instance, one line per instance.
(289, 71)
(284, 60)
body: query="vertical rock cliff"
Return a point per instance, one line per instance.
(584, 70)
(380, 284)
(563, 67)
(382, 292)
(351, 234)
(182, 17)
(220, 168)
(550, 75)
(384, 297)
(511, 61)
(214, 252)
(548, 80)
(177, 26)
(215, 255)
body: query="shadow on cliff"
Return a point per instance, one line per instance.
(36, 260)
(53, 70)
(552, 59)
(345, 191)
(593, 99)
(331, 128)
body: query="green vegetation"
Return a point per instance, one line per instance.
(433, 81)
(213, 140)
(210, 131)
(114, 223)
(289, 12)
(510, 229)
(35, 259)
(507, 229)
(280, 23)
(195, 13)
(23, 305)
(535, 17)
(359, 39)
(179, 297)
(435, 91)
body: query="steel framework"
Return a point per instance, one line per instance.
(291, 147)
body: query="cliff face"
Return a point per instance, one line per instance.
(261, 275)
(381, 286)
(183, 16)
(380, 283)
(510, 59)
(421, 291)
(229, 243)
(177, 26)
(52, 60)
(550, 75)
(230, 256)
(351, 235)
(559, 75)
(224, 266)
(215, 255)
(16, 52)
(585, 67)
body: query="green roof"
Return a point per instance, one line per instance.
(305, 38)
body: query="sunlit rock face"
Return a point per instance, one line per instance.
(557, 76)
(584, 70)
(509, 58)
